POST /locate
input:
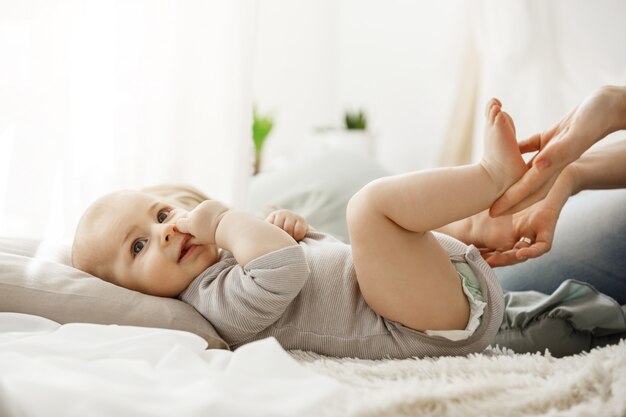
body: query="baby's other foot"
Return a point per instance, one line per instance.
(501, 155)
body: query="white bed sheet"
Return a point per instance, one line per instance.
(48, 369)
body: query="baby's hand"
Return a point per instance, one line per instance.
(290, 222)
(202, 221)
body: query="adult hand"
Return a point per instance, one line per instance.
(536, 224)
(597, 116)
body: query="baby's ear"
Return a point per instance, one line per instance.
(186, 196)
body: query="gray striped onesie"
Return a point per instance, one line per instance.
(308, 298)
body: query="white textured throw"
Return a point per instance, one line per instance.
(78, 369)
(495, 383)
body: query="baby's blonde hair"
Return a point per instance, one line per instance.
(186, 196)
(84, 255)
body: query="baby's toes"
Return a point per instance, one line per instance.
(492, 102)
(509, 121)
(504, 123)
(493, 113)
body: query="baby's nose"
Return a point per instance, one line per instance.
(167, 231)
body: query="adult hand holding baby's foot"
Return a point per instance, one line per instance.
(202, 221)
(601, 113)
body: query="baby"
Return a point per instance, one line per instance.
(399, 290)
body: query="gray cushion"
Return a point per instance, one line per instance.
(317, 188)
(35, 278)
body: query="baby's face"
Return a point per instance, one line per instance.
(142, 249)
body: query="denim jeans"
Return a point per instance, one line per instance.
(589, 245)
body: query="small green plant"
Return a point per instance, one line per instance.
(356, 120)
(261, 128)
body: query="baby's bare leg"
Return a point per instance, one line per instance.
(403, 273)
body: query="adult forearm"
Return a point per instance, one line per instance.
(248, 237)
(612, 113)
(601, 168)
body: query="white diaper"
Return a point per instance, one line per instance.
(471, 288)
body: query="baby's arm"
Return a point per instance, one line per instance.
(244, 298)
(243, 234)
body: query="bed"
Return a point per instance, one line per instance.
(73, 345)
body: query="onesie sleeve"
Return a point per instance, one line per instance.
(242, 301)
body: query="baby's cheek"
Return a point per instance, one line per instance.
(208, 258)
(155, 268)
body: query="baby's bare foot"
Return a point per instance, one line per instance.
(501, 156)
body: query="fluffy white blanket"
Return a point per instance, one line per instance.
(92, 370)
(494, 383)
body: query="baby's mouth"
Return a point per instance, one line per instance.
(184, 247)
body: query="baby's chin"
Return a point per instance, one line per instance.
(210, 256)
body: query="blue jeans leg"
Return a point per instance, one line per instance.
(589, 245)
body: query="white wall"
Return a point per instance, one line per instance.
(315, 59)
(402, 61)
(397, 60)
(295, 75)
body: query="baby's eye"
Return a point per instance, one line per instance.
(162, 216)
(137, 246)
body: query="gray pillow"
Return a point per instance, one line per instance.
(317, 188)
(35, 278)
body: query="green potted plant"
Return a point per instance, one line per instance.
(355, 120)
(261, 128)
(353, 136)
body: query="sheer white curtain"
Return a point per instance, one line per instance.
(544, 57)
(97, 95)
(540, 57)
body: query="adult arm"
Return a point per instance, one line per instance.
(600, 114)
(601, 168)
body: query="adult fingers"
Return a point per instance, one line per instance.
(536, 196)
(539, 140)
(525, 241)
(542, 245)
(525, 186)
(531, 144)
(560, 153)
(502, 258)
(532, 187)
(534, 251)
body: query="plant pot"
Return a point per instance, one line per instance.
(356, 141)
